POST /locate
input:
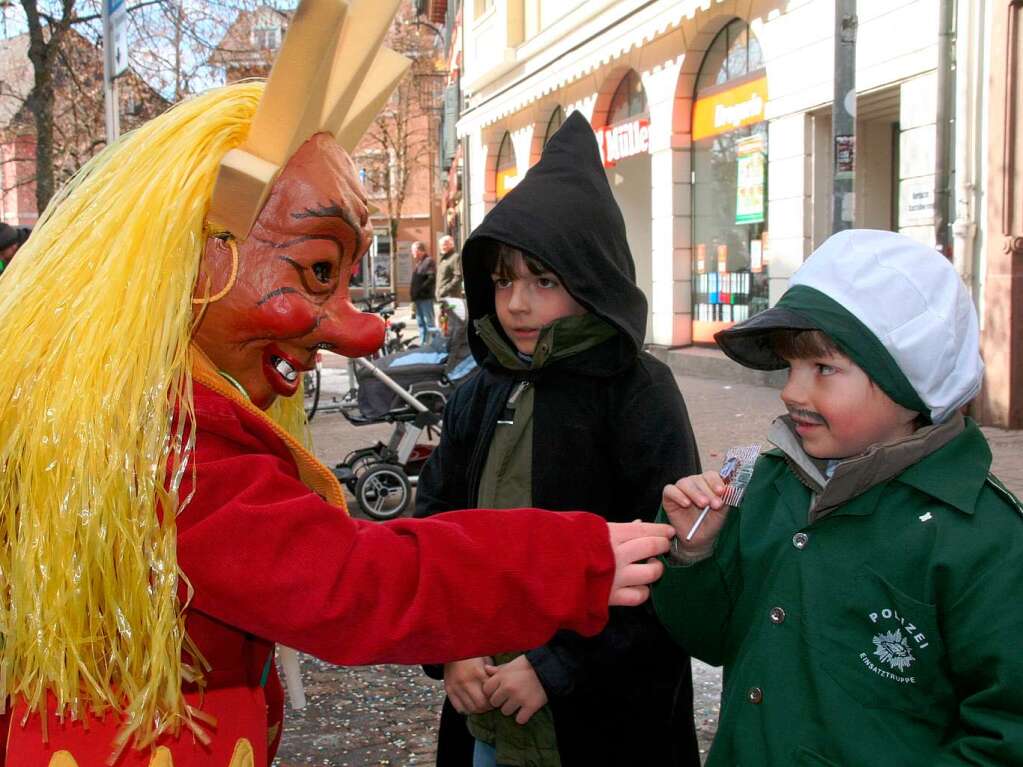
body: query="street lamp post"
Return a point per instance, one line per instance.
(843, 118)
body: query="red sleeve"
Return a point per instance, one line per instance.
(268, 556)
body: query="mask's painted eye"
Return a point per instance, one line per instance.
(321, 270)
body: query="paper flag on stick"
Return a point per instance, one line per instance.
(736, 472)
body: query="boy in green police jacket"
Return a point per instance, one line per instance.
(866, 598)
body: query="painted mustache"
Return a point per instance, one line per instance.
(809, 416)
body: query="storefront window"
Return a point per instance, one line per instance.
(629, 100)
(735, 52)
(507, 169)
(627, 130)
(553, 124)
(730, 268)
(376, 262)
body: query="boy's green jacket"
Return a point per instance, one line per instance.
(884, 627)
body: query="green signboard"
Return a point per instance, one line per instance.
(751, 178)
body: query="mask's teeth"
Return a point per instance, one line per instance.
(288, 373)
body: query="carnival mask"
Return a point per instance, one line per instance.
(290, 293)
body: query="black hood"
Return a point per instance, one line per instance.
(563, 213)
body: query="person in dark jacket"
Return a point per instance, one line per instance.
(421, 289)
(449, 270)
(567, 413)
(11, 239)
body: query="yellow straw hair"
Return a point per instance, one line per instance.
(96, 315)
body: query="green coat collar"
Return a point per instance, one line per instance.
(955, 473)
(562, 338)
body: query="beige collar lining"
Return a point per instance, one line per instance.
(313, 473)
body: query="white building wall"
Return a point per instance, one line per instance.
(789, 199)
(573, 57)
(917, 149)
(475, 184)
(671, 214)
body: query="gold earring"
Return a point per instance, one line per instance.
(230, 280)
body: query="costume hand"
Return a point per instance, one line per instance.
(683, 503)
(515, 687)
(463, 683)
(634, 542)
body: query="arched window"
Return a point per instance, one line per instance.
(734, 53)
(629, 99)
(729, 193)
(507, 169)
(557, 117)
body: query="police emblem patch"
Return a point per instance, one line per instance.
(892, 647)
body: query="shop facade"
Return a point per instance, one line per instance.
(713, 120)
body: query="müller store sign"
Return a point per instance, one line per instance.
(622, 140)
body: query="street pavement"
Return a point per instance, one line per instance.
(386, 715)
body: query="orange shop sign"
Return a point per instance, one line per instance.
(730, 109)
(622, 140)
(507, 179)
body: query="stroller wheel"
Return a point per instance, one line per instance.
(383, 491)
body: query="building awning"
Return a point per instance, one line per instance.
(581, 52)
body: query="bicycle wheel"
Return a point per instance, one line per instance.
(311, 392)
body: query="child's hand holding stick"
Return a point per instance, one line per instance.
(713, 491)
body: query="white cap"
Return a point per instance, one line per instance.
(913, 301)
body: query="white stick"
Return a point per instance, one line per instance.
(292, 676)
(697, 523)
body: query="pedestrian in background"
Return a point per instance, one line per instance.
(11, 238)
(421, 289)
(567, 412)
(449, 270)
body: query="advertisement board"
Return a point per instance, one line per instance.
(729, 109)
(751, 178)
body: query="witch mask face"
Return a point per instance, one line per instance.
(290, 297)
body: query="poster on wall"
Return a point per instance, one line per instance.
(751, 167)
(382, 272)
(845, 156)
(404, 263)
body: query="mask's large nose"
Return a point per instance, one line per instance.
(351, 332)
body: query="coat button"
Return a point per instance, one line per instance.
(755, 695)
(777, 615)
(799, 540)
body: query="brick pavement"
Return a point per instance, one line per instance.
(382, 715)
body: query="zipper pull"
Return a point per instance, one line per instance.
(508, 414)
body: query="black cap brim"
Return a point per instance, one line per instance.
(749, 342)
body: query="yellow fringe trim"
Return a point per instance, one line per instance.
(243, 755)
(97, 317)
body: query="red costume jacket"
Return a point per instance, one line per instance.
(273, 556)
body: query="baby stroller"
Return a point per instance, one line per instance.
(408, 389)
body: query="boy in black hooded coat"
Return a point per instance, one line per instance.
(608, 429)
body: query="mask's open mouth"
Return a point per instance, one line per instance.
(281, 371)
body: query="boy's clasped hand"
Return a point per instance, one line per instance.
(477, 685)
